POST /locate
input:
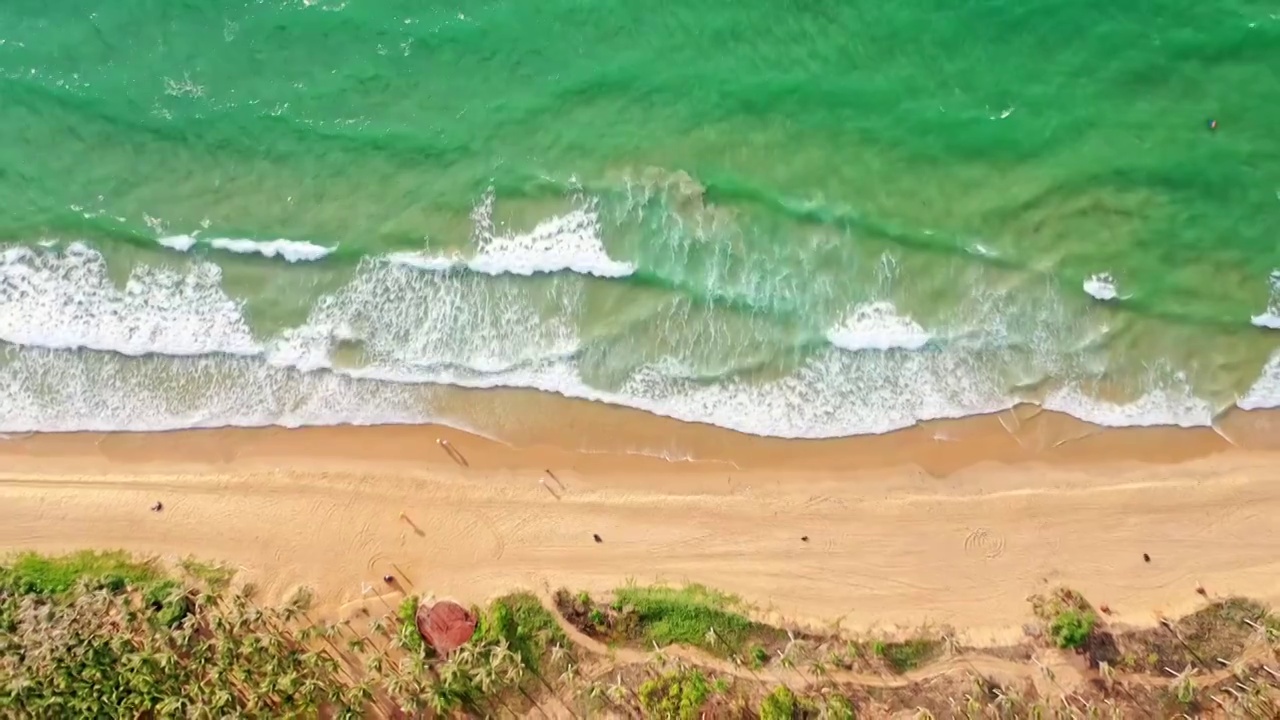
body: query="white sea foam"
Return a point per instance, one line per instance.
(427, 261)
(1271, 317)
(439, 321)
(566, 242)
(877, 326)
(1164, 406)
(67, 300)
(408, 331)
(1101, 286)
(181, 243)
(1265, 392)
(58, 391)
(291, 250)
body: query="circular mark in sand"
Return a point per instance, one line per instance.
(990, 545)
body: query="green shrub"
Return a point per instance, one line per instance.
(908, 655)
(840, 708)
(1072, 628)
(676, 696)
(168, 601)
(526, 626)
(779, 704)
(409, 635)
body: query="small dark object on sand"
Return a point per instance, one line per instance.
(1146, 557)
(157, 507)
(597, 538)
(388, 579)
(804, 538)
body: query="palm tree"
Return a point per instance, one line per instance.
(379, 626)
(659, 654)
(1184, 686)
(439, 699)
(595, 692)
(297, 605)
(559, 653)
(569, 677)
(711, 638)
(622, 695)
(512, 669)
(818, 669)
(784, 658)
(396, 684)
(359, 696)
(357, 645)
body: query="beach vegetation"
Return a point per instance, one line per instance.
(168, 600)
(676, 695)
(1221, 629)
(909, 654)
(213, 575)
(1068, 618)
(759, 656)
(520, 623)
(33, 574)
(96, 635)
(838, 707)
(779, 704)
(408, 635)
(1071, 628)
(692, 615)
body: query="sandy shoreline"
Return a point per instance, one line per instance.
(981, 519)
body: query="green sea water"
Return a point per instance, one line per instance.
(789, 217)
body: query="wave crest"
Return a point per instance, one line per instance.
(566, 242)
(878, 326)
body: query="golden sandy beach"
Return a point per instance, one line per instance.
(952, 524)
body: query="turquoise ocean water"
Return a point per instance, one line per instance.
(801, 218)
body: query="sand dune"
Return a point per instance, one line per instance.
(887, 547)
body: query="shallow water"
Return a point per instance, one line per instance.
(799, 218)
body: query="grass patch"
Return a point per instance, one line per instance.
(214, 575)
(779, 704)
(691, 615)
(675, 696)
(32, 574)
(528, 628)
(907, 655)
